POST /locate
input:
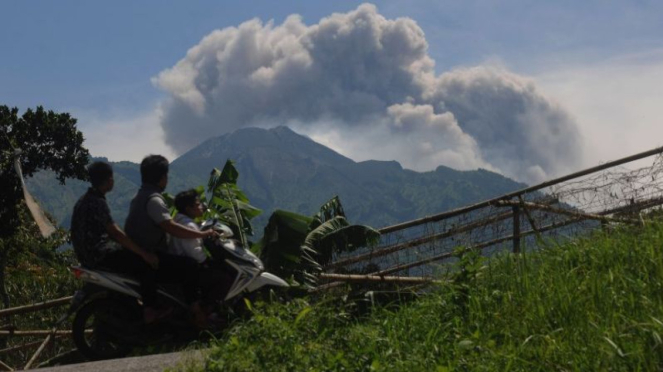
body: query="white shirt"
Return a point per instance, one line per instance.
(187, 247)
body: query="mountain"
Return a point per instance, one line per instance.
(280, 169)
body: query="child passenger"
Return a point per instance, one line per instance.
(214, 281)
(189, 207)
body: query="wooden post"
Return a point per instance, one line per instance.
(516, 229)
(539, 238)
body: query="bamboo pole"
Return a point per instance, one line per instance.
(25, 346)
(446, 255)
(410, 265)
(635, 207)
(567, 212)
(48, 339)
(374, 278)
(325, 287)
(5, 367)
(35, 307)
(413, 243)
(33, 333)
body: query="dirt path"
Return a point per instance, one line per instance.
(150, 363)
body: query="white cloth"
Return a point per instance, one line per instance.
(187, 247)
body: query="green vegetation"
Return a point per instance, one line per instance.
(595, 304)
(36, 272)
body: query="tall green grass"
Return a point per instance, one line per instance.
(591, 305)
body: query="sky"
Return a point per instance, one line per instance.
(529, 89)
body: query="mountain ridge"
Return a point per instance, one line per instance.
(280, 169)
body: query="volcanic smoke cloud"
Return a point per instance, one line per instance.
(365, 85)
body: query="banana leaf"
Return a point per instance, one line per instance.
(337, 235)
(229, 203)
(329, 210)
(280, 246)
(296, 246)
(228, 175)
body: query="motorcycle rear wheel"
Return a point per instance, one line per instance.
(102, 327)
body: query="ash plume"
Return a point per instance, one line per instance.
(365, 86)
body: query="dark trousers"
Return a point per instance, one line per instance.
(172, 269)
(215, 281)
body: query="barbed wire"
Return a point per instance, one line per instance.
(534, 219)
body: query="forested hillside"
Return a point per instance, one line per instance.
(280, 169)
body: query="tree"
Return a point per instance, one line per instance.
(47, 140)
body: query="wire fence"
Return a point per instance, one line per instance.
(533, 218)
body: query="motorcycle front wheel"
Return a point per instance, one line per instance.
(102, 328)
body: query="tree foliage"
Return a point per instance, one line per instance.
(47, 140)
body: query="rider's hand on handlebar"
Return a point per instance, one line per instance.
(151, 259)
(211, 234)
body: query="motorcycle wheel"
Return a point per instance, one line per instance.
(101, 328)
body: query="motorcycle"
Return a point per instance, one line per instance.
(108, 321)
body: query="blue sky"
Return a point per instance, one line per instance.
(602, 61)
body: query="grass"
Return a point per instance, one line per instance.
(591, 305)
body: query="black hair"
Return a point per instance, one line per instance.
(99, 172)
(185, 199)
(153, 168)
